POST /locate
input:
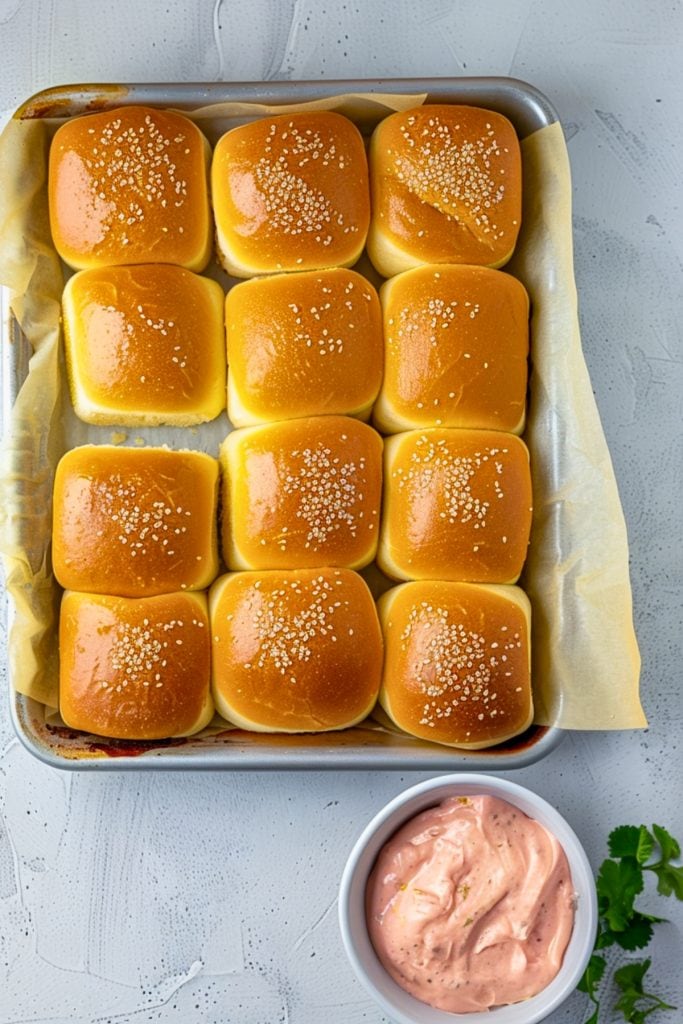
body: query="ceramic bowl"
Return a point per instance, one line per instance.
(393, 1000)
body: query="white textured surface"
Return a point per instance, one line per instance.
(211, 898)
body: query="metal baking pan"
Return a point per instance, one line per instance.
(360, 747)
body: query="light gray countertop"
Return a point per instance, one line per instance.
(212, 897)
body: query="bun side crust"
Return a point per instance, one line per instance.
(294, 651)
(301, 494)
(456, 349)
(130, 186)
(305, 344)
(135, 669)
(446, 188)
(457, 662)
(144, 346)
(135, 522)
(457, 506)
(290, 193)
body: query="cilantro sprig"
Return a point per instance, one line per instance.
(634, 1002)
(633, 850)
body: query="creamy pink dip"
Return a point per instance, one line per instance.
(471, 905)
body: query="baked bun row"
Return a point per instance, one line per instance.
(435, 504)
(290, 192)
(299, 652)
(446, 346)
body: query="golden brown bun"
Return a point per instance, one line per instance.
(446, 188)
(135, 669)
(457, 662)
(457, 506)
(301, 493)
(294, 651)
(144, 346)
(303, 345)
(456, 347)
(134, 521)
(130, 186)
(290, 193)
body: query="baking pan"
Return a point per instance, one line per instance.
(362, 747)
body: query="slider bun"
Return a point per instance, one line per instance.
(290, 192)
(456, 347)
(144, 346)
(294, 651)
(301, 493)
(134, 521)
(135, 669)
(457, 662)
(303, 345)
(457, 506)
(130, 186)
(446, 188)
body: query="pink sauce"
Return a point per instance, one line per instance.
(471, 905)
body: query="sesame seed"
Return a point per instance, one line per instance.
(292, 205)
(287, 638)
(327, 491)
(137, 651)
(452, 665)
(140, 530)
(137, 166)
(431, 463)
(454, 173)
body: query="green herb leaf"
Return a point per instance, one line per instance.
(619, 881)
(669, 877)
(637, 934)
(630, 980)
(605, 938)
(669, 880)
(592, 976)
(631, 841)
(638, 1016)
(669, 846)
(618, 884)
(630, 977)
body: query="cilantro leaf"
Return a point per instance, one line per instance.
(631, 841)
(669, 877)
(638, 1016)
(637, 934)
(592, 976)
(669, 846)
(618, 884)
(630, 980)
(606, 938)
(669, 880)
(630, 976)
(590, 979)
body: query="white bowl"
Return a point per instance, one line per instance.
(394, 1001)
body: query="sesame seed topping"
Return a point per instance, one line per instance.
(293, 206)
(453, 173)
(454, 666)
(137, 652)
(130, 169)
(326, 487)
(287, 638)
(141, 530)
(431, 463)
(415, 339)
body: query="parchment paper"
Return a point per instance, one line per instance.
(585, 656)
